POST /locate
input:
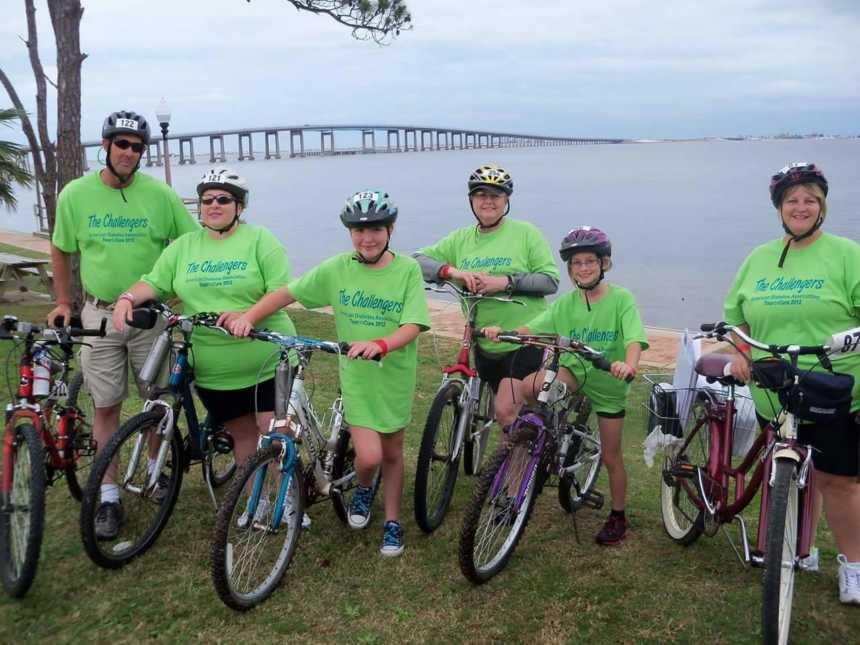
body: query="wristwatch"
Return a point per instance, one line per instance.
(510, 288)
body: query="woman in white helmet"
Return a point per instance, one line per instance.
(227, 266)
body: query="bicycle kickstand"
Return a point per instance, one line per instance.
(742, 529)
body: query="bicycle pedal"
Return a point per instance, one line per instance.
(591, 499)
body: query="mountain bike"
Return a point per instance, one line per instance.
(458, 423)
(553, 439)
(701, 490)
(47, 436)
(147, 455)
(259, 521)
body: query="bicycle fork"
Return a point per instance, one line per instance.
(165, 430)
(287, 461)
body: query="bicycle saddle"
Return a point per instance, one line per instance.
(715, 367)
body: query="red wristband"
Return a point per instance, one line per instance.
(744, 347)
(445, 271)
(382, 345)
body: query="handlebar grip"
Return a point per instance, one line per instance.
(708, 327)
(75, 323)
(81, 331)
(344, 348)
(601, 363)
(143, 318)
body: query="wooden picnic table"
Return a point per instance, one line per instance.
(15, 268)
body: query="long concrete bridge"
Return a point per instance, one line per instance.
(302, 140)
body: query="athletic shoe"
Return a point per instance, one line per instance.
(504, 515)
(161, 488)
(109, 517)
(810, 562)
(392, 539)
(613, 531)
(849, 581)
(359, 508)
(259, 515)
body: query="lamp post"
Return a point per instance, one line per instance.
(162, 113)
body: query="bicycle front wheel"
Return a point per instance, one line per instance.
(79, 448)
(681, 504)
(475, 448)
(501, 505)
(584, 453)
(780, 558)
(249, 557)
(145, 510)
(436, 470)
(22, 508)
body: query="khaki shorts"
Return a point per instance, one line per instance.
(105, 363)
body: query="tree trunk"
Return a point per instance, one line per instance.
(66, 20)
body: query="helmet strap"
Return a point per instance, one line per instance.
(797, 238)
(481, 225)
(123, 180)
(358, 257)
(224, 229)
(590, 287)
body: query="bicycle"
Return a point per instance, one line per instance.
(541, 443)
(150, 491)
(47, 436)
(459, 419)
(697, 476)
(258, 524)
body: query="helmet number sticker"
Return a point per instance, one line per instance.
(365, 195)
(127, 123)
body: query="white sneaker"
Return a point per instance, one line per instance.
(263, 509)
(849, 581)
(810, 562)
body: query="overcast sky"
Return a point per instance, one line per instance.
(617, 68)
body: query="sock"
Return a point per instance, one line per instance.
(109, 493)
(618, 514)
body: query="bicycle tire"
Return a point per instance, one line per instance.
(436, 470)
(780, 557)
(485, 547)
(342, 466)
(474, 451)
(681, 506)
(144, 516)
(81, 431)
(237, 550)
(22, 511)
(586, 449)
(218, 467)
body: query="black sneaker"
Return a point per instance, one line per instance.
(161, 488)
(613, 531)
(109, 517)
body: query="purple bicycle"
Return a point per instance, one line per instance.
(553, 439)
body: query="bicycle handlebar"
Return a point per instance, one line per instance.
(301, 342)
(59, 333)
(468, 295)
(844, 342)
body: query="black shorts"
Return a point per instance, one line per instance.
(226, 405)
(518, 364)
(836, 445)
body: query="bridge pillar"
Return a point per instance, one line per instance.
(182, 158)
(439, 135)
(406, 139)
(220, 156)
(364, 135)
(149, 161)
(301, 136)
(243, 136)
(396, 134)
(323, 135)
(274, 135)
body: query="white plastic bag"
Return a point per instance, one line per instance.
(657, 441)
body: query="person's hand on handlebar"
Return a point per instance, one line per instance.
(236, 323)
(467, 278)
(622, 371)
(366, 349)
(63, 310)
(489, 284)
(121, 314)
(491, 333)
(740, 368)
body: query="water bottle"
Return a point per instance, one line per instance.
(41, 373)
(155, 359)
(283, 374)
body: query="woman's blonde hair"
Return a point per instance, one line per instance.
(816, 191)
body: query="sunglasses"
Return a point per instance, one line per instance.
(221, 199)
(125, 144)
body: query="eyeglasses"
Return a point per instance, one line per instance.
(585, 264)
(221, 199)
(125, 144)
(495, 197)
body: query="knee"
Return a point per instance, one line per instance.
(838, 486)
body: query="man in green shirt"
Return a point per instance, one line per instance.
(119, 221)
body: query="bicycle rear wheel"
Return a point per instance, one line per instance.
(481, 422)
(436, 470)
(681, 504)
(79, 448)
(493, 522)
(249, 557)
(780, 558)
(219, 463)
(344, 468)
(22, 509)
(145, 511)
(585, 453)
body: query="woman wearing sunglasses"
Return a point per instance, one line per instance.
(226, 267)
(801, 288)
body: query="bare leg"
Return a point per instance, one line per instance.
(508, 401)
(368, 453)
(610, 440)
(842, 509)
(245, 432)
(105, 424)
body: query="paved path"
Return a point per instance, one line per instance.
(445, 317)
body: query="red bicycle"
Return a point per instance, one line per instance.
(47, 436)
(701, 490)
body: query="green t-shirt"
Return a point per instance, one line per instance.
(515, 247)
(119, 239)
(226, 275)
(370, 304)
(610, 327)
(815, 295)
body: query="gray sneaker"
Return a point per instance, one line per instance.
(109, 517)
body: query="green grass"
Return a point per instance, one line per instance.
(338, 589)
